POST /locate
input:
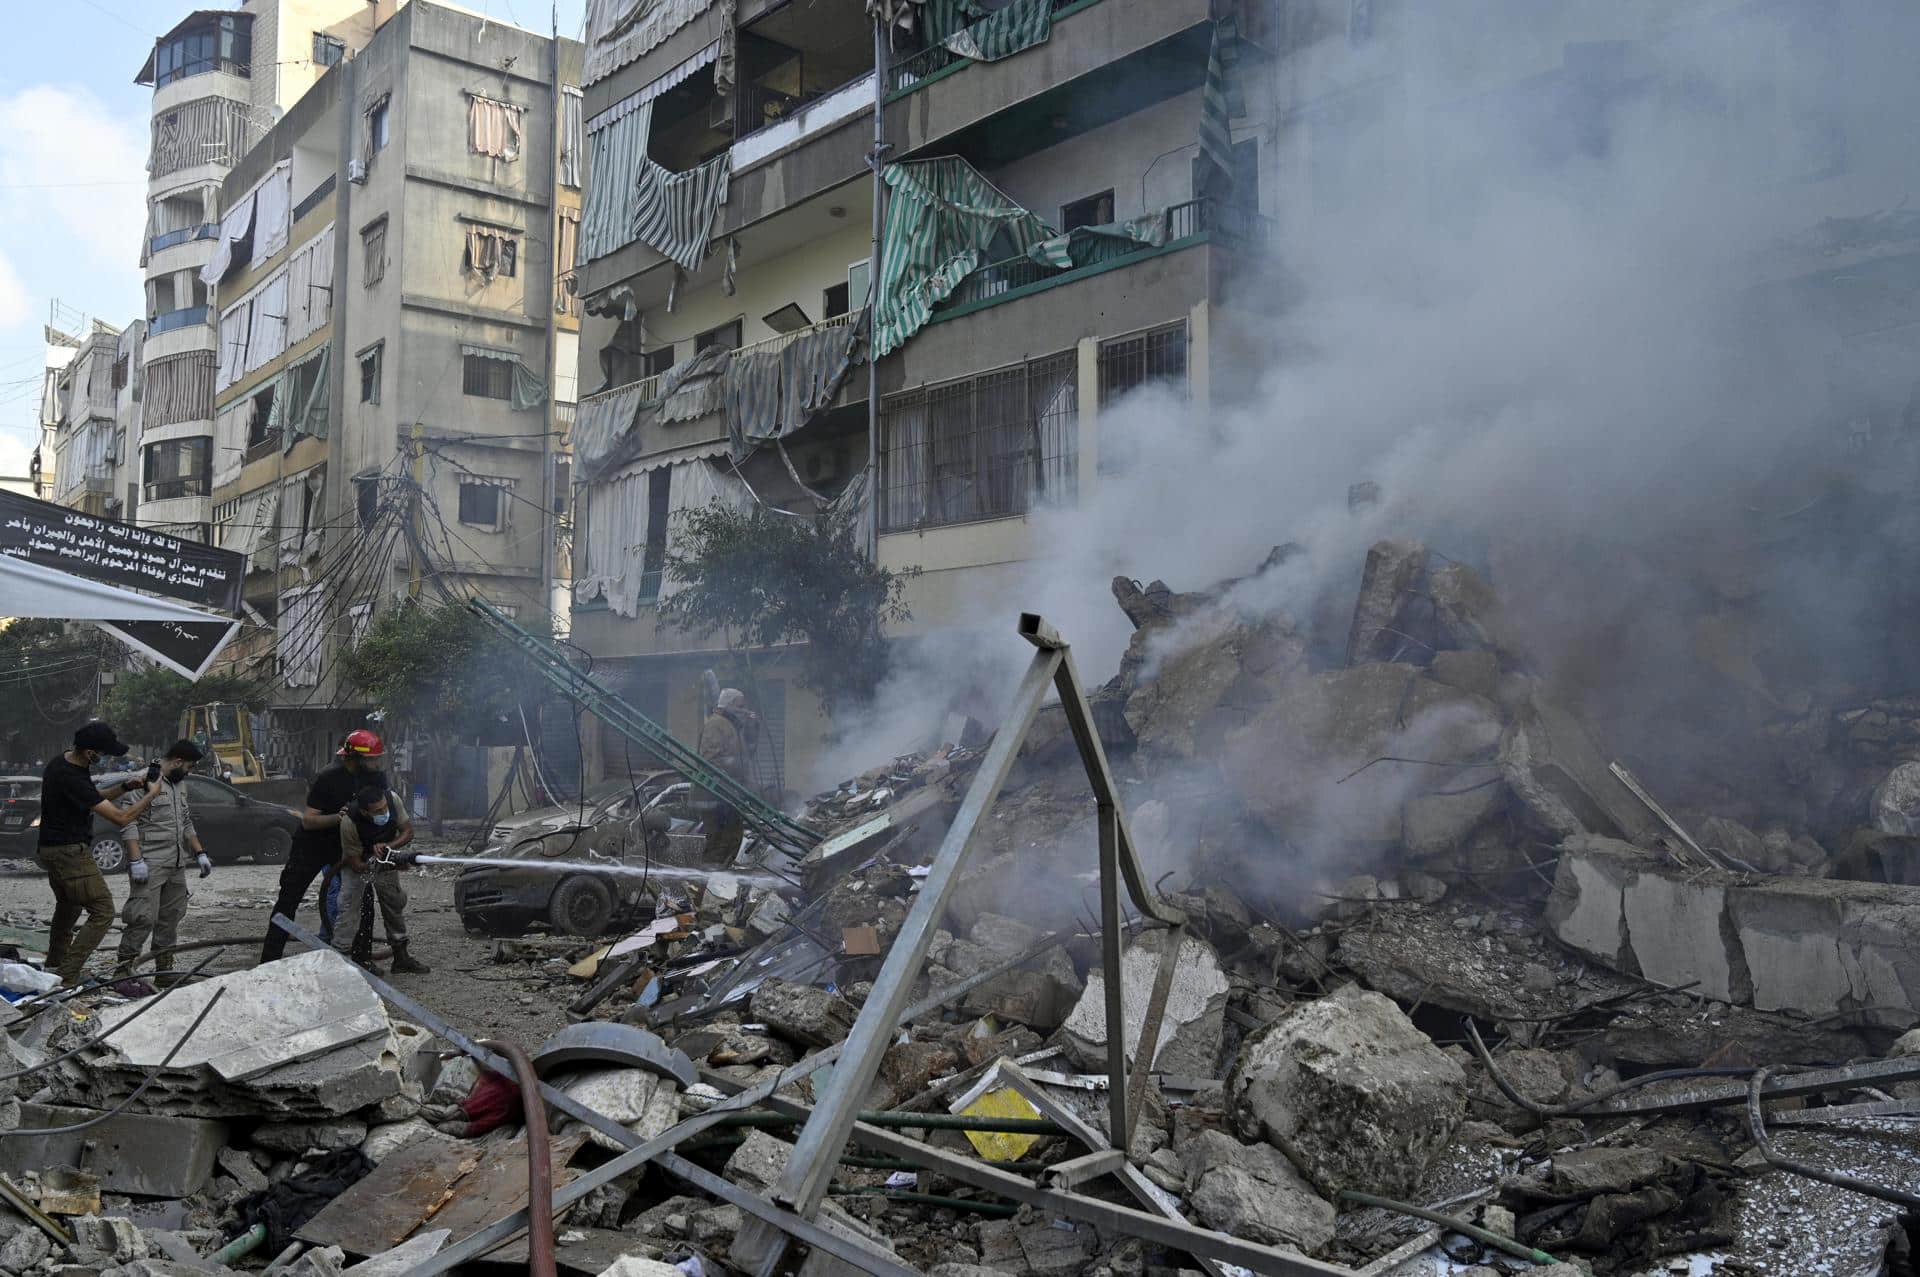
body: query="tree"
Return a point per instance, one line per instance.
(48, 669)
(768, 578)
(145, 705)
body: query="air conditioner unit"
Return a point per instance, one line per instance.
(357, 172)
(720, 113)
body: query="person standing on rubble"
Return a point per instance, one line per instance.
(727, 740)
(376, 826)
(69, 801)
(162, 845)
(317, 844)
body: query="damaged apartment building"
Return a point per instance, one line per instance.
(386, 325)
(1068, 205)
(95, 406)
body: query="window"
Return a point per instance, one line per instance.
(493, 127)
(370, 373)
(178, 468)
(373, 252)
(481, 503)
(120, 370)
(1094, 210)
(261, 431)
(327, 50)
(833, 301)
(655, 362)
(857, 282)
(224, 43)
(377, 135)
(726, 337)
(366, 500)
(492, 251)
(1157, 356)
(985, 447)
(653, 559)
(487, 377)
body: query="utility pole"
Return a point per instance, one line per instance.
(880, 71)
(417, 444)
(543, 588)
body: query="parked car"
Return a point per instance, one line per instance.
(565, 895)
(232, 825)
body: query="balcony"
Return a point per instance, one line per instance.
(917, 70)
(186, 317)
(173, 489)
(98, 479)
(185, 235)
(314, 200)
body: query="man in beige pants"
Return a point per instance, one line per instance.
(162, 847)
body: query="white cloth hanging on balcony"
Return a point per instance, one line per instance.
(273, 207)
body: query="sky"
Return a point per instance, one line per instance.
(73, 143)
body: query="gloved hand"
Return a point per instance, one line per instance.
(138, 871)
(206, 865)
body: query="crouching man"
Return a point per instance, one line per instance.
(162, 848)
(374, 828)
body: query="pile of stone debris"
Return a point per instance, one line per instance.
(1453, 993)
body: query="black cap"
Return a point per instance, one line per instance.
(185, 749)
(99, 735)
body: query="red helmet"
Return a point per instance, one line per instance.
(364, 743)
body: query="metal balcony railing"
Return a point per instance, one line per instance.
(169, 489)
(312, 201)
(185, 235)
(185, 317)
(780, 341)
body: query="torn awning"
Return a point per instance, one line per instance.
(177, 636)
(1004, 32)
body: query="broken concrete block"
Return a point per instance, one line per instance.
(1390, 594)
(1896, 801)
(967, 1270)
(803, 1014)
(244, 1170)
(321, 1261)
(384, 1141)
(1192, 1025)
(1350, 1091)
(112, 1236)
(404, 1258)
(640, 1100)
(1041, 1246)
(1604, 1170)
(26, 1248)
(1253, 1191)
(819, 1263)
(1197, 681)
(1467, 613)
(759, 1162)
(1476, 672)
(1287, 766)
(137, 1153)
(302, 1137)
(1436, 825)
(635, 1266)
(1559, 774)
(715, 1226)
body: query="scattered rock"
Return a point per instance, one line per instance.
(303, 1137)
(1253, 1191)
(1192, 1025)
(759, 1162)
(802, 1014)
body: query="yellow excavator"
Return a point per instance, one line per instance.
(224, 732)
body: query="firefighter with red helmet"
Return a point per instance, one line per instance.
(317, 845)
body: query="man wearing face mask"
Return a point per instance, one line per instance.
(317, 845)
(69, 801)
(162, 845)
(375, 827)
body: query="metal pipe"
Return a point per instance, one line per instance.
(539, 1159)
(875, 161)
(245, 1244)
(1519, 1250)
(914, 1121)
(1757, 1128)
(1004, 1210)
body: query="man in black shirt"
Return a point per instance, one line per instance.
(69, 801)
(317, 845)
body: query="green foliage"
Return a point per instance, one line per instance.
(145, 706)
(767, 579)
(439, 667)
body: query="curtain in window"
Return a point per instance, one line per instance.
(903, 464)
(254, 513)
(573, 136)
(301, 408)
(695, 485)
(632, 198)
(267, 331)
(618, 148)
(233, 228)
(489, 252)
(493, 127)
(310, 287)
(566, 252)
(616, 542)
(236, 325)
(302, 627)
(207, 131)
(179, 388)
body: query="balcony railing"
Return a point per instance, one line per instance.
(170, 489)
(185, 235)
(264, 446)
(908, 72)
(312, 201)
(1184, 221)
(186, 317)
(780, 341)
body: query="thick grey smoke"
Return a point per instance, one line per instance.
(1543, 276)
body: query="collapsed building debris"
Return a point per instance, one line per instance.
(1386, 847)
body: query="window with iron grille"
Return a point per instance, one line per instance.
(985, 447)
(1155, 357)
(487, 377)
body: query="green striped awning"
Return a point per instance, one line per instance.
(629, 197)
(1220, 101)
(941, 216)
(1005, 32)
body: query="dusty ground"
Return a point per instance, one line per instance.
(476, 994)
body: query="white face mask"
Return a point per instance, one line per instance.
(380, 818)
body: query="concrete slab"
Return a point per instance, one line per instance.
(134, 1153)
(272, 1015)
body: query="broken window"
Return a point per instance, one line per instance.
(373, 252)
(986, 447)
(1094, 210)
(833, 301)
(487, 377)
(726, 337)
(493, 127)
(328, 50)
(177, 468)
(262, 430)
(366, 500)
(653, 561)
(655, 362)
(377, 128)
(492, 251)
(370, 373)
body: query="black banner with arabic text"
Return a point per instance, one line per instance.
(118, 553)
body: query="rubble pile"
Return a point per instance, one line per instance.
(1454, 991)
